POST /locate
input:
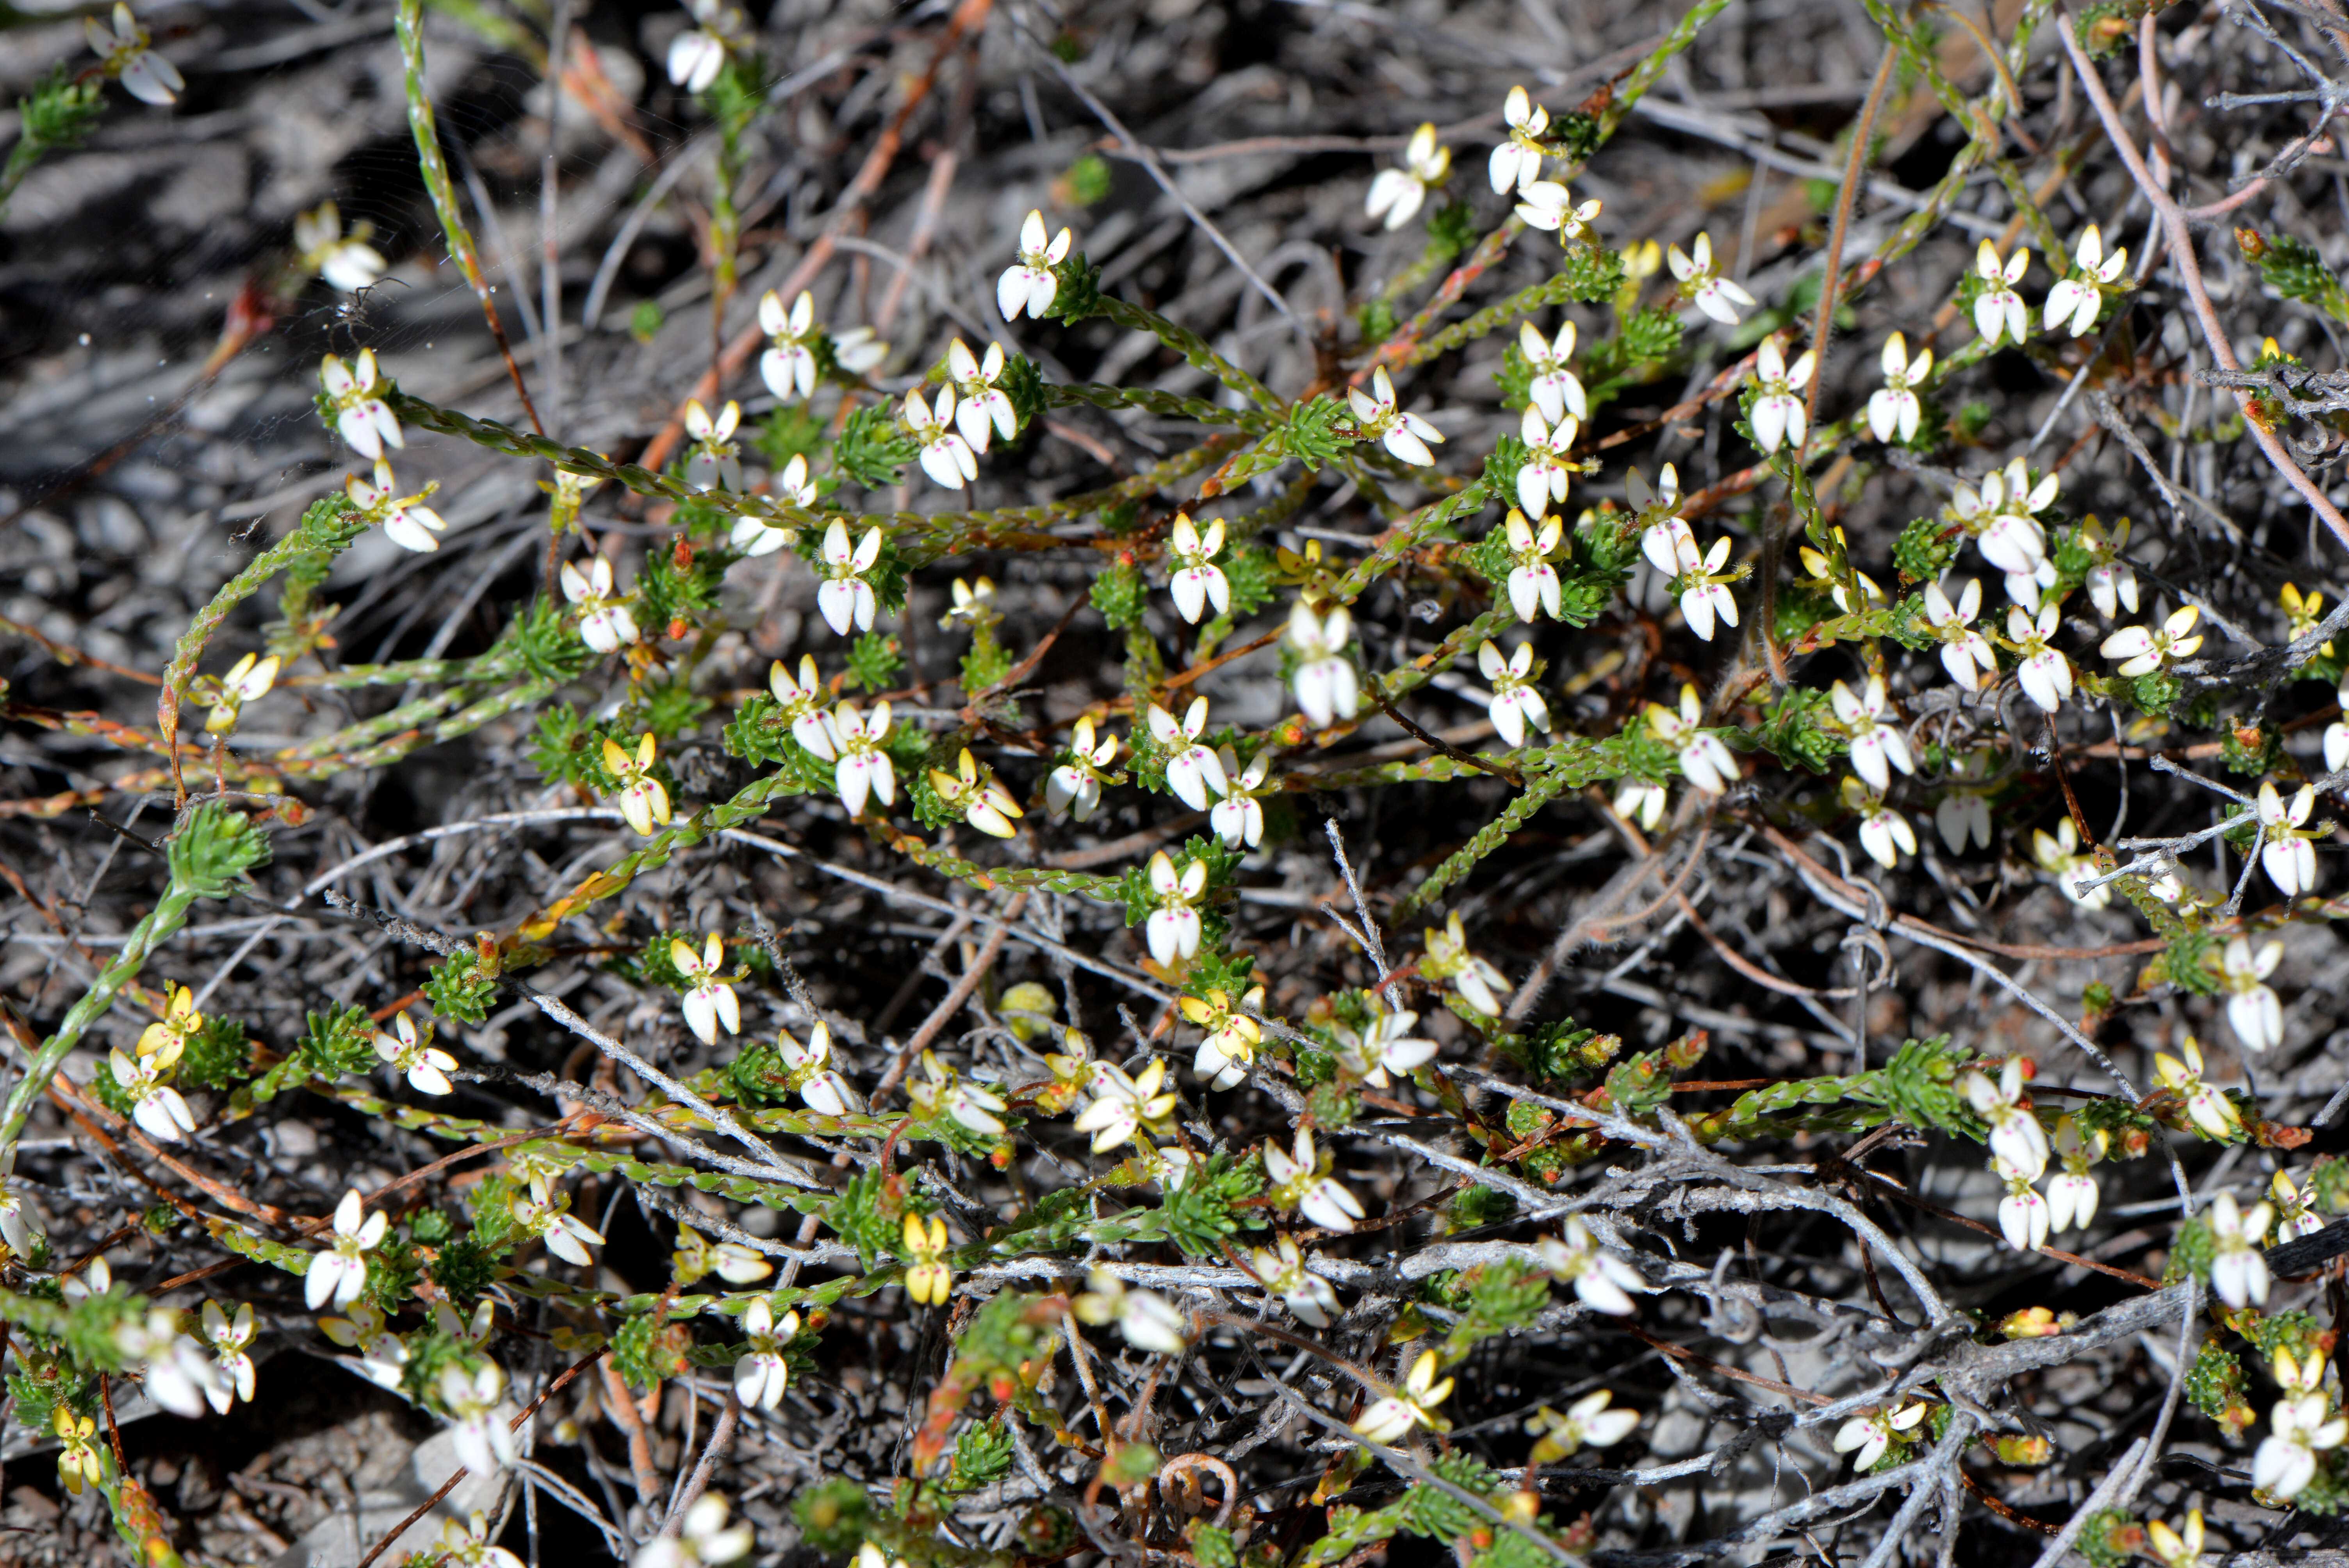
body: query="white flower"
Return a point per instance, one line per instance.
(2295, 1210)
(2286, 1461)
(2208, 1109)
(545, 1214)
(704, 1539)
(1962, 813)
(941, 1089)
(1884, 832)
(1778, 414)
(789, 366)
(1283, 1275)
(760, 1373)
(1398, 193)
(1238, 817)
(709, 999)
(864, 767)
(1894, 409)
(1966, 653)
(2336, 734)
(1123, 1106)
(2044, 672)
(1998, 310)
(14, 1230)
(338, 1274)
(1547, 468)
(1643, 802)
(1030, 283)
(1384, 1045)
(858, 350)
(714, 460)
(2145, 649)
(403, 521)
(983, 800)
(1877, 743)
(2252, 1008)
(1715, 295)
(1389, 1420)
(248, 680)
(1075, 786)
(1325, 680)
(1232, 1036)
(946, 456)
(754, 535)
(408, 1052)
(485, 1445)
(468, 1546)
(1321, 1199)
(1555, 389)
(1697, 578)
(1193, 771)
(2023, 1215)
(349, 263)
(2002, 517)
(2289, 858)
(846, 599)
(2081, 295)
(2170, 1548)
(383, 1358)
(1604, 1281)
(1516, 701)
(800, 704)
(983, 410)
(604, 622)
(1586, 1423)
(1873, 1433)
(822, 1088)
(1546, 204)
(1517, 161)
(1173, 929)
(1705, 762)
(173, 1368)
(644, 798)
(144, 74)
(1193, 576)
(156, 1105)
(1148, 1320)
(2112, 581)
(1533, 581)
(2015, 1136)
(695, 54)
(1376, 419)
(1448, 958)
(365, 420)
(2071, 1196)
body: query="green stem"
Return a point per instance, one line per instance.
(1192, 348)
(190, 649)
(170, 911)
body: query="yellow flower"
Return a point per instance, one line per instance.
(248, 680)
(928, 1278)
(2176, 1548)
(81, 1459)
(2303, 615)
(168, 1036)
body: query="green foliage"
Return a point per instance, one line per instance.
(874, 447)
(666, 594)
(1920, 1086)
(668, 709)
(1199, 1215)
(1492, 1299)
(1590, 274)
(1430, 1510)
(2292, 266)
(1476, 1205)
(1079, 291)
(1024, 384)
(2193, 1252)
(2216, 1385)
(464, 1269)
(217, 1055)
(431, 1227)
(2257, 758)
(569, 749)
(982, 1457)
(1500, 476)
(1560, 1050)
(1452, 230)
(2155, 693)
(1211, 1547)
(1637, 1085)
(1377, 321)
(547, 643)
(874, 662)
(337, 1042)
(869, 1214)
(213, 848)
(1577, 133)
(646, 320)
(1120, 595)
(2329, 1185)
(759, 1078)
(789, 430)
(1926, 548)
(1514, 378)
(2109, 1539)
(1794, 732)
(456, 989)
(1088, 180)
(832, 1516)
(492, 1205)
(1307, 435)
(647, 1352)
